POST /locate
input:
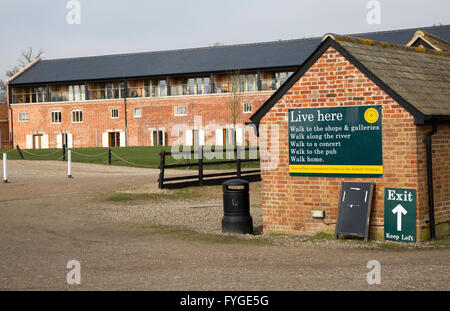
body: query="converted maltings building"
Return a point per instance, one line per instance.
(156, 98)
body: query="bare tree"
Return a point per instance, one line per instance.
(26, 57)
(2, 92)
(12, 72)
(235, 101)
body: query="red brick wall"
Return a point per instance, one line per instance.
(332, 81)
(156, 113)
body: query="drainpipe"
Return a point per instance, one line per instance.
(428, 142)
(125, 107)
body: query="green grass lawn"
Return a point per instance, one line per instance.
(147, 157)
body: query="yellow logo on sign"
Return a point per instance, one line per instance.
(371, 115)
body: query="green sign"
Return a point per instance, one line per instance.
(336, 142)
(400, 214)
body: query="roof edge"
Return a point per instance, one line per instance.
(420, 34)
(329, 41)
(23, 70)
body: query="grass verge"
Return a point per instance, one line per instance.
(182, 194)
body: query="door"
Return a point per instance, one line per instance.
(157, 138)
(37, 139)
(62, 140)
(114, 139)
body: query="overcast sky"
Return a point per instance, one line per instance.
(123, 26)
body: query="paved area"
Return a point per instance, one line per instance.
(47, 220)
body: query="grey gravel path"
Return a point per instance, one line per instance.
(47, 220)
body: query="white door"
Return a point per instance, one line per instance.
(44, 142)
(201, 137)
(29, 140)
(105, 139)
(59, 141)
(239, 136)
(123, 142)
(188, 137)
(219, 137)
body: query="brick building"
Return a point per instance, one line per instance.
(4, 127)
(156, 98)
(410, 85)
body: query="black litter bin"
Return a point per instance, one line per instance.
(236, 207)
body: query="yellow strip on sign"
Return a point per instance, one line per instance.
(337, 169)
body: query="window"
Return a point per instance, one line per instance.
(24, 117)
(56, 117)
(155, 88)
(137, 112)
(162, 88)
(247, 107)
(29, 95)
(147, 88)
(114, 90)
(180, 110)
(114, 113)
(244, 82)
(77, 116)
(278, 78)
(77, 92)
(191, 86)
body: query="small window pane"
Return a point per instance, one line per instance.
(56, 117)
(207, 85)
(114, 113)
(247, 107)
(83, 92)
(77, 116)
(162, 88)
(180, 110)
(24, 117)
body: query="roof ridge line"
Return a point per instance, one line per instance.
(233, 45)
(184, 49)
(385, 44)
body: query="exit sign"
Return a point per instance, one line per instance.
(400, 214)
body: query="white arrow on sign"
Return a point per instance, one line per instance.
(399, 210)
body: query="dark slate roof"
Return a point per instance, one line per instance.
(277, 54)
(416, 78)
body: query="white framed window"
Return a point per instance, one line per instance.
(114, 113)
(137, 112)
(180, 110)
(56, 117)
(24, 117)
(77, 116)
(76, 92)
(247, 107)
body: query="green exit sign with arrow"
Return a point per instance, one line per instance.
(400, 214)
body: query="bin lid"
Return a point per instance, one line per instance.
(235, 182)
